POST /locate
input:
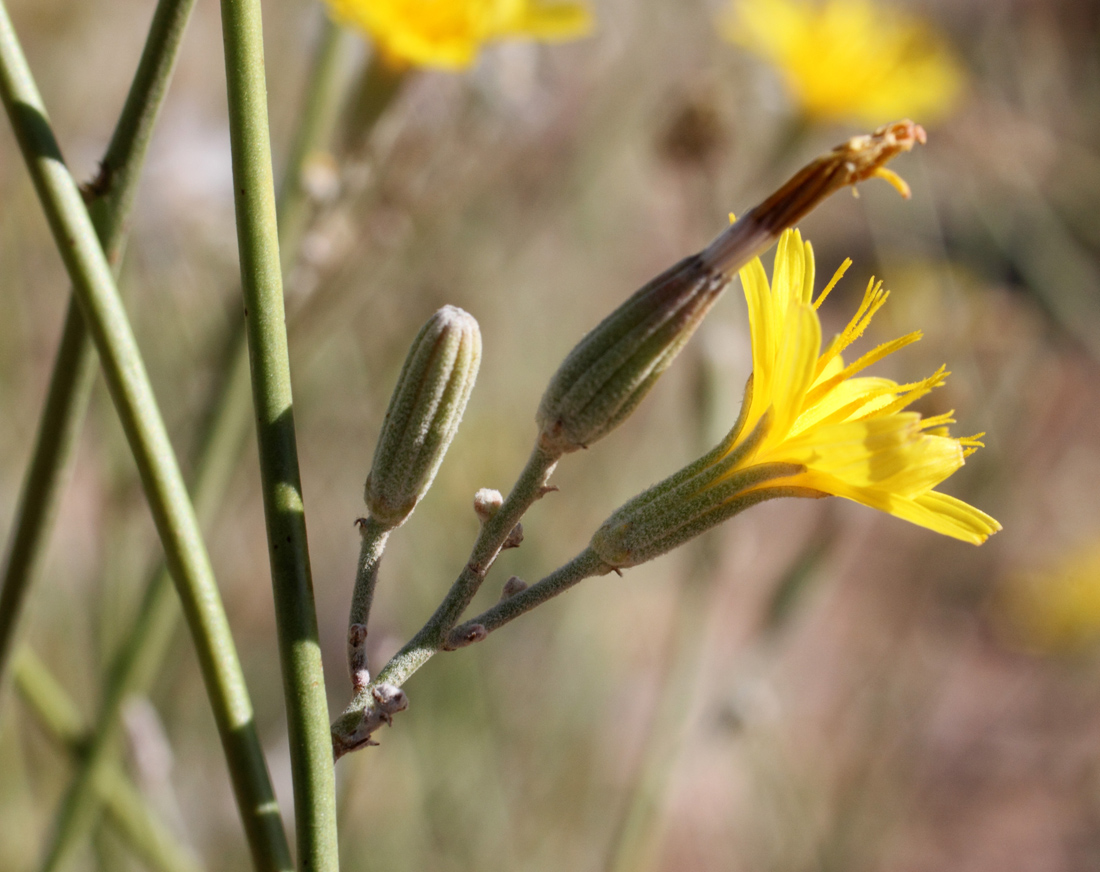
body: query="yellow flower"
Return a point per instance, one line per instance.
(449, 33)
(849, 436)
(810, 426)
(1054, 610)
(849, 60)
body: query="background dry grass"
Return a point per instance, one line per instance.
(873, 715)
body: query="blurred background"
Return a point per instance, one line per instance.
(812, 686)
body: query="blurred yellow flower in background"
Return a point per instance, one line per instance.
(449, 33)
(850, 436)
(849, 60)
(1054, 610)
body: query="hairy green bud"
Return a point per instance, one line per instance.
(424, 414)
(613, 367)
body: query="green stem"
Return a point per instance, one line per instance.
(111, 195)
(288, 551)
(173, 515)
(125, 807)
(353, 728)
(374, 535)
(584, 565)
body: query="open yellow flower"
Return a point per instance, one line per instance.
(450, 33)
(810, 426)
(849, 60)
(849, 435)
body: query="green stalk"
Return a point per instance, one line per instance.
(584, 565)
(112, 195)
(173, 515)
(288, 551)
(374, 536)
(125, 807)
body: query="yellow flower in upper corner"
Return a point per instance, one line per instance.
(450, 33)
(849, 60)
(847, 435)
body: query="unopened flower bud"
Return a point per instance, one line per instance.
(424, 413)
(603, 378)
(487, 502)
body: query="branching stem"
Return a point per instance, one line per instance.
(353, 728)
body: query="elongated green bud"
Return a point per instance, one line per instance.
(612, 369)
(605, 376)
(424, 413)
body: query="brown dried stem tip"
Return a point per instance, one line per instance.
(858, 159)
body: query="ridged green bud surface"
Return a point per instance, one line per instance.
(609, 372)
(424, 413)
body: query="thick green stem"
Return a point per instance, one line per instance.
(111, 196)
(352, 730)
(125, 808)
(173, 515)
(288, 552)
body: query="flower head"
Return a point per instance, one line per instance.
(810, 425)
(849, 60)
(450, 33)
(850, 435)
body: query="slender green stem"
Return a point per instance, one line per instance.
(374, 535)
(362, 716)
(111, 196)
(144, 649)
(173, 515)
(584, 565)
(288, 550)
(125, 807)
